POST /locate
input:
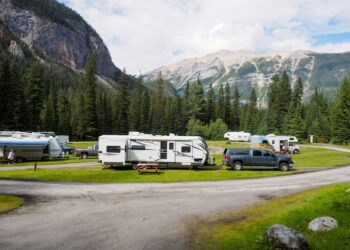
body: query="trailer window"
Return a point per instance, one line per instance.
(171, 146)
(138, 147)
(186, 149)
(113, 149)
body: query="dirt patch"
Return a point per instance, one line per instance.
(231, 220)
(266, 197)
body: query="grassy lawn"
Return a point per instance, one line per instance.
(245, 229)
(82, 144)
(320, 157)
(131, 176)
(70, 159)
(224, 144)
(9, 202)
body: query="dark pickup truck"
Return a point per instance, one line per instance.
(237, 158)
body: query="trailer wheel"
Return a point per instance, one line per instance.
(84, 155)
(134, 166)
(296, 151)
(284, 167)
(237, 166)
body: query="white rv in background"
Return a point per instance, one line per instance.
(237, 136)
(146, 148)
(277, 141)
(29, 146)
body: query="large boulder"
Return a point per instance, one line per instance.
(280, 236)
(323, 224)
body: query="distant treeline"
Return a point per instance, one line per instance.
(35, 97)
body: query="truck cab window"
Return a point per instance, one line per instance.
(256, 153)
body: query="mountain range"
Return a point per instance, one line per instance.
(247, 70)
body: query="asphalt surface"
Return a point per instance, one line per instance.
(134, 216)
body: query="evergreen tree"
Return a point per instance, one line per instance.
(221, 103)
(297, 123)
(210, 104)
(145, 109)
(227, 105)
(341, 114)
(196, 102)
(123, 105)
(250, 122)
(135, 107)
(34, 96)
(6, 108)
(318, 118)
(49, 112)
(90, 98)
(296, 101)
(78, 122)
(64, 115)
(158, 119)
(235, 117)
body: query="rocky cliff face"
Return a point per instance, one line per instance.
(247, 69)
(69, 44)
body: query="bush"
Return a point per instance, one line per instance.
(213, 131)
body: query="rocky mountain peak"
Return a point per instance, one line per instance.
(61, 34)
(248, 69)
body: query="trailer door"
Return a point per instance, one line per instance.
(164, 150)
(171, 151)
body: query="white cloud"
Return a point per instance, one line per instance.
(146, 34)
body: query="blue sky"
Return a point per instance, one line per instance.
(146, 34)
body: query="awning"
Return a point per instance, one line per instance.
(22, 142)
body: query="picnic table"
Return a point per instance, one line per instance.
(147, 167)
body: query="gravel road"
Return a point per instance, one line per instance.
(134, 216)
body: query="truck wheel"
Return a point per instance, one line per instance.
(284, 167)
(296, 151)
(84, 155)
(237, 166)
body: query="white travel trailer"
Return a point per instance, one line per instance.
(25, 147)
(137, 147)
(277, 142)
(237, 136)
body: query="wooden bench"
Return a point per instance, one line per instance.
(147, 167)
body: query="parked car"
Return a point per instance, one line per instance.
(238, 158)
(84, 153)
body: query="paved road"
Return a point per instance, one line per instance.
(134, 216)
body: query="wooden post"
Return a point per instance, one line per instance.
(35, 166)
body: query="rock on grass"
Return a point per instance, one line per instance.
(280, 236)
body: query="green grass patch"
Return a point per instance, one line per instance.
(245, 229)
(82, 144)
(224, 144)
(9, 202)
(69, 159)
(320, 157)
(131, 176)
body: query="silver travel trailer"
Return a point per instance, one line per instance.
(30, 147)
(237, 136)
(277, 141)
(137, 147)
